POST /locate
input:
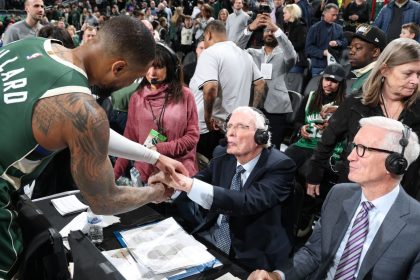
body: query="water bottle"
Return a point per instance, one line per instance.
(95, 230)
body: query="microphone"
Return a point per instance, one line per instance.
(223, 142)
(155, 81)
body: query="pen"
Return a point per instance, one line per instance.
(129, 250)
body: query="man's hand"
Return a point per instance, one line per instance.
(259, 21)
(163, 193)
(183, 184)
(326, 53)
(270, 25)
(263, 275)
(333, 44)
(171, 167)
(312, 190)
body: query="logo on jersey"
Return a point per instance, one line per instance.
(35, 55)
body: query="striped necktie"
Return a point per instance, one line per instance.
(349, 261)
(222, 234)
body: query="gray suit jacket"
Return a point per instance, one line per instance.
(282, 58)
(393, 254)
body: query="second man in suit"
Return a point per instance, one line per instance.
(367, 230)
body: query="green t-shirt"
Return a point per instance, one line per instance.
(312, 119)
(29, 71)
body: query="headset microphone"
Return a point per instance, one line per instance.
(156, 82)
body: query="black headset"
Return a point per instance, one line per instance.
(174, 58)
(261, 136)
(396, 163)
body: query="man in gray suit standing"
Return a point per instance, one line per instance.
(274, 60)
(367, 230)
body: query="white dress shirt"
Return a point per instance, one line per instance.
(202, 193)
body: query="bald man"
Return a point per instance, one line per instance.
(28, 27)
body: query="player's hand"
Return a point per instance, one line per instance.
(171, 167)
(184, 183)
(163, 193)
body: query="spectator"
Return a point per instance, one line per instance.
(364, 225)
(28, 27)
(189, 68)
(175, 29)
(222, 81)
(91, 19)
(236, 22)
(296, 30)
(366, 44)
(356, 13)
(277, 13)
(197, 9)
(410, 30)
(248, 195)
(223, 15)
(73, 34)
(162, 115)
(187, 36)
(168, 10)
(153, 9)
(391, 90)
(306, 11)
(202, 20)
(396, 13)
(322, 37)
(278, 56)
(160, 12)
(88, 34)
(311, 120)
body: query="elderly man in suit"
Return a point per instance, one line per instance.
(248, 193)
(367, 230)
(274, 60)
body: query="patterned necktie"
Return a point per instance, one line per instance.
(350, 259)
(222, 234)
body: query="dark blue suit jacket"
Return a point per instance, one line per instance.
(261, 214)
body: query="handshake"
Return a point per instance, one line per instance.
(167, 184)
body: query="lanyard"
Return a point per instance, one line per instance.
(159, 121)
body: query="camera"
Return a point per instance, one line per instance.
(264, 9)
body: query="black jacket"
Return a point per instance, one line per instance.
(344, 124)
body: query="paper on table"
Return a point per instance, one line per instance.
(165, 247)
(79, 222)
(228, 276)
(68, 204)
(130, 269)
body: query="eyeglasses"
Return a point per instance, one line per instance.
(360, 149)
(237, 127)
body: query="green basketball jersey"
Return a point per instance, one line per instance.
(29, 71)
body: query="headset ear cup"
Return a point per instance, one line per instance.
(261, 136)
(396, 164)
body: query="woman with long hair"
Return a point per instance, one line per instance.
(392, 91)
(162, 115)
(314, 113)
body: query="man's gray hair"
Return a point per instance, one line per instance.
(260, 121)
(395, 132)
